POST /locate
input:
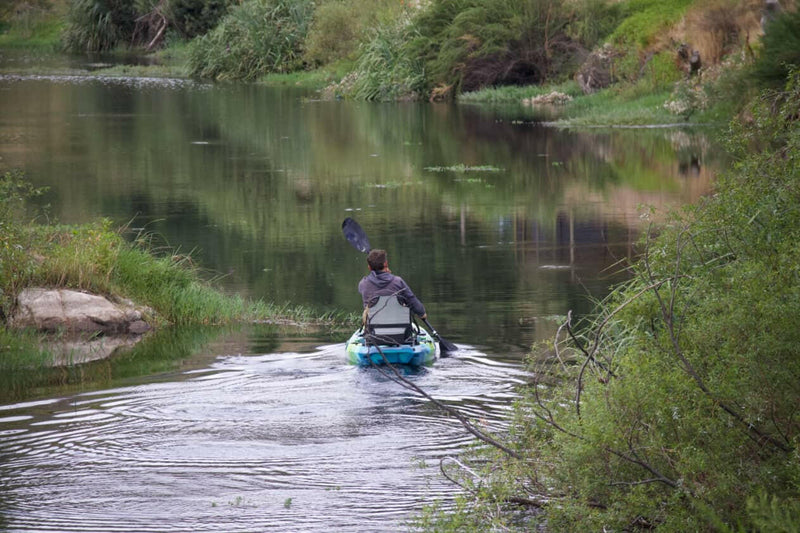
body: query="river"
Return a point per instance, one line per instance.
(500, 224)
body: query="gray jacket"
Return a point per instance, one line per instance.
(386, 284)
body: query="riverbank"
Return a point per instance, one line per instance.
(625, 105)
(653, 414)
(639, 62)
(656, 94)
(118, 263)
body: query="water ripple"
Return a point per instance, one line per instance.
(277, 441)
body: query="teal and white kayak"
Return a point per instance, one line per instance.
(423, 350)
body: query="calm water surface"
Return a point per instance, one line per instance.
(498, 223)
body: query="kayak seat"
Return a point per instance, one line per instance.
(389, 322)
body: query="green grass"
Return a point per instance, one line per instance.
(632, 105)
(95, 258)
(43, 33)
(646, 18)
(20, 350)
(253, 39)
(309, 79)
(612, 107)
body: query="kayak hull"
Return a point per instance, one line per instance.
(422, 351)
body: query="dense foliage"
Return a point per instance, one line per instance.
(384, 72)
(439, 49)
(676, 407)
(339, 27)
(101, 25)
(781, 44)
(470, 44)
(467, 45)
(98, 25)
(196, 17)
(254, 38)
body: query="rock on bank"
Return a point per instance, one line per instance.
(93, 326)
(53, 310)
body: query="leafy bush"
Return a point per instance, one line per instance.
(195, 17)
(340, 26)
(333, 35)
(255, 38)
(99, 25)
(384, 70)
(781, 50)
(700, 412)
(469, 44)
(676, 407)
(594, 20)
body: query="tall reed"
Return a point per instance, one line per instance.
(255, 38)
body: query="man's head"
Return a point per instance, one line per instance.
(376, 260)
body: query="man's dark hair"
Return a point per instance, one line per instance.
(376, 259)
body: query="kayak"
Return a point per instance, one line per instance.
(422, 350)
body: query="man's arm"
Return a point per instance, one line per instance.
(412, 301)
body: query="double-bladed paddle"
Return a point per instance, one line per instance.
(358, 238)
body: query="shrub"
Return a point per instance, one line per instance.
(781, 50)
(385, 71)
(255, 38)
(676, 407)
(102, 25)
(99, 25)
(195, 17)
(333, 34)
(594, 20)
(340, 26)
(469, 44)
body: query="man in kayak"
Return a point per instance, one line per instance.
(381, 282)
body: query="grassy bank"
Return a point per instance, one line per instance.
(95, 257)
(635, 105)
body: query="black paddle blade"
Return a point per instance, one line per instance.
(355, 235)
(446, 346)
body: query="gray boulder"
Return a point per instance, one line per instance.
(53, 310)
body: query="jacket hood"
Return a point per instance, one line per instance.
(380, 279)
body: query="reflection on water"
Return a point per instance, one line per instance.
(495, 222)
(249, 442)
(499, 224)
